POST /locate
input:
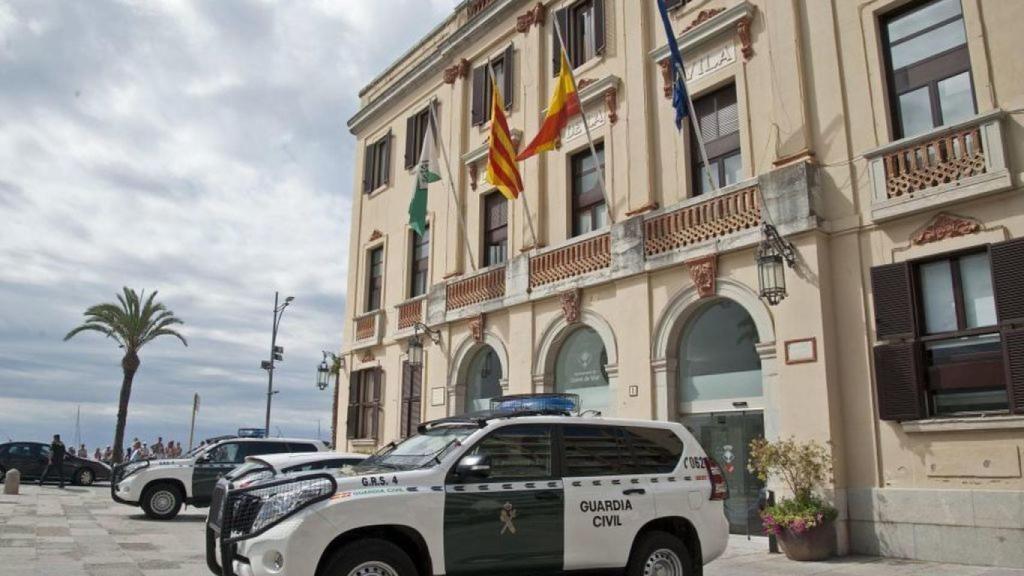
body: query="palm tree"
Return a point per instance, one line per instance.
(131, 323)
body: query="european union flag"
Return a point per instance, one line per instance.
(676, 61)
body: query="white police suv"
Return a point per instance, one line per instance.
(161, 487)
(525, 488)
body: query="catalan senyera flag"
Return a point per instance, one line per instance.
(502, 170)
(564, 104)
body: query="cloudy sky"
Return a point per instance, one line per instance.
(195, 148)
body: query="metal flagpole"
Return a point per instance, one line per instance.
(695, 122)
(522, 193)
(451, 183)
(586, 128)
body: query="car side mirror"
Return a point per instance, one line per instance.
(203, 459)
(474, 466)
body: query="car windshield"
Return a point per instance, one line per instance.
(422, 450)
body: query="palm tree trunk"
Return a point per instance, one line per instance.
(129, 365)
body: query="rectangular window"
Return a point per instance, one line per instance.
(375, 279)
(495, 229)
(718, 120)
(962, 346)
(376, 164)
(583, 30)
(415, 132)
(419, 263)
(589, 211)
(595, 451)
(518, 452)
(502, 66)
(364, 394)
(929, 67)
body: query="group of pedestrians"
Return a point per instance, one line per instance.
(139, 450)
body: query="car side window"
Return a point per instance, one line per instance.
(226, 453)
(21, 450)
(300, 447)
(655, 450)
(43, 451)
(520, 452)
(262, 448)
(591, 450)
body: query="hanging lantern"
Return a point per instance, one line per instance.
(323, 375)
(772, 253)
(415, 351)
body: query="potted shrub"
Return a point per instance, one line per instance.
(803, 522)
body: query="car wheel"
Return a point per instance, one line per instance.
(85, 477)
(660, 554)
(371, 557)
(162, 501)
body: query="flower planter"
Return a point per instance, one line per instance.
(818, 543)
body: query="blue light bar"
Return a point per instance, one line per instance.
(548, 403)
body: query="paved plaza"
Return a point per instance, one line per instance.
(81, 532)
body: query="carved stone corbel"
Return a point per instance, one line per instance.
(703, 272)
(474, 173)
(532, 17)
(476, 328)
(611, 101)
(571, 305)
(456, 71)
(743, 31)
(376, 235)
(666, 77)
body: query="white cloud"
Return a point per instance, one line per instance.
(194, 147)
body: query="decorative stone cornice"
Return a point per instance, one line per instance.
(532, 17)
(702, 17)
(944, 226)
(376, 235)
(705, 29)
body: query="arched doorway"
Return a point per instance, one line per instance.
(580, 368)
(483, 379)
(720, 395)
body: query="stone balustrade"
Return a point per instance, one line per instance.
(368, 329)
(716, 217)
(576, 259)
(489, 285)
(410, 313)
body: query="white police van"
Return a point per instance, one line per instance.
(162, 487)
(525, 488)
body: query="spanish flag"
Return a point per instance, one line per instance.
(564, 104)
(502, 170)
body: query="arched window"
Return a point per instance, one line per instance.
(483, 379)
(717, 358)
(580, 369)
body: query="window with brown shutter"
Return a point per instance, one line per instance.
(419, 263)
(415, 133)
(954, 331)
(364, 404)
(375, 279)
(376, 164)
(583, 30)
(412, 384)
(502, 66)
(589, 211)
(495, 229)
(719, 124)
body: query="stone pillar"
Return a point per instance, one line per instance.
(12, 481)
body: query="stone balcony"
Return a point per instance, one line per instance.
(711, 224)
(368, 330)
(949, 164)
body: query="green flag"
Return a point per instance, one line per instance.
(426, 172)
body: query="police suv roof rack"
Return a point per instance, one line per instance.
(513, 406)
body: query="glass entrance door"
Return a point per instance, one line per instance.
(726, 437)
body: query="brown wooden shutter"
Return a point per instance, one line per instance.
(1013, 360)
(478, 110)
(410, 140)
(376, 393)
(367, 168)
(599, 27)
(1007, 286)
(406, 386)
(387, 159)
(898, 377)
(415, 395)
(352, 422)
(894, 301)
(509, 63)
(1008, 289)
(562, 17)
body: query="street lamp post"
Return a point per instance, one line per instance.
(276, 353)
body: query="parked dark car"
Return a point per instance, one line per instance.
(30, 459)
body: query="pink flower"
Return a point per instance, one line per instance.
(798, 525)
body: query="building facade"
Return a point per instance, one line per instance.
(877, 137)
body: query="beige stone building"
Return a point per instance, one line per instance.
(879, 137)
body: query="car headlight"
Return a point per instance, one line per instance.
(252, 510)
(132, 468)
